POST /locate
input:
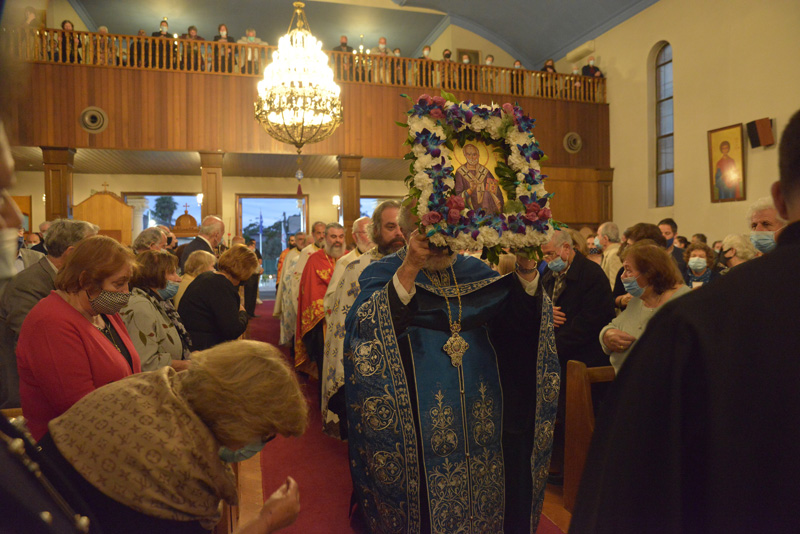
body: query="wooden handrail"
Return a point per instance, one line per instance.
(215, 57)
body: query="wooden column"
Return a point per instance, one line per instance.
(350, 193)
(58, 164)
(211, 168)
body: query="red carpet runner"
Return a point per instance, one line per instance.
(318, 463)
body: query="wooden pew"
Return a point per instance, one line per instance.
(579, 423)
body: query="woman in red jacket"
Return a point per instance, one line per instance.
(73, 341)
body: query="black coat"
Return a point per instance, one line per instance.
(699, 432)
(210, 311)
(588, 305)
(197, 244)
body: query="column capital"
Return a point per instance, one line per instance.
(349, 163)
(211, 159)
(58, 155)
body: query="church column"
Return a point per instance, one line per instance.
(138, 205)
(350, 193)
(58, 164)
(211, 167)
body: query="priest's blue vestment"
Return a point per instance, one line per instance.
(435, 446)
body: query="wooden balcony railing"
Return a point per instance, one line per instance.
(214, 57)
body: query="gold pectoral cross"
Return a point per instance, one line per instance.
(456, 346)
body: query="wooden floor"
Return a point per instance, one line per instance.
(251, 497)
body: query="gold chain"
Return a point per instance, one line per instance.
(456, 346)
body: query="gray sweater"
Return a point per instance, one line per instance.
(633, 320)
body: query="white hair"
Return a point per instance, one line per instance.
(744, 248)
(561, 237)
(763, 203)
(610, 230)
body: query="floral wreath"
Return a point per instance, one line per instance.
(525, 224)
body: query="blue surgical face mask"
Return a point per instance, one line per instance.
(240, 455)
(557, 265)
(670, 241)
(170, 291)
(697, 264)
(597, 242)
(763, 241)
(632, 286)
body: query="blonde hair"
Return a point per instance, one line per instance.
(199, 262)
(242, 389)
(239, 262)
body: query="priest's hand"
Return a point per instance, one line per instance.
(617, 340)
(416, 257)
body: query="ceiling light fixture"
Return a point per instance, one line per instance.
(298, 101)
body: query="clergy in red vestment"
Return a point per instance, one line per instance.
(310, 340)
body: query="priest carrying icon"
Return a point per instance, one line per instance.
(451, 381)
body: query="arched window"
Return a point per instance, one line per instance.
(665, 143)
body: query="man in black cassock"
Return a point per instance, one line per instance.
(700, 432)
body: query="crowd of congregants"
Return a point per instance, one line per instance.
(381, 63)
(128, 365)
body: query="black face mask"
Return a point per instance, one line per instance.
(447, 56)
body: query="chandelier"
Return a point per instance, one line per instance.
(298, 101)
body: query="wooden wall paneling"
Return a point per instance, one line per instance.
(581, 196)
(150, 110)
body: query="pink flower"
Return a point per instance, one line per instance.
(436, 113)
(455, 202)
(531, 216)
(453, 216)
(426, 98)
(432, 217)
(533, 207)
(545, 214)
(508, 108)
(439, 100)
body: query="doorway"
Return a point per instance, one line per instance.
(269, 220)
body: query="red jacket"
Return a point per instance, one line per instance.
(61, 357)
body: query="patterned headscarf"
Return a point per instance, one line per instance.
(138, 441)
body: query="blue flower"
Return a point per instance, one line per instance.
(430, 141)
(530, 151)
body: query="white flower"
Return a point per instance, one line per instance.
(493, 126)
(478, 124)
(423, 162)
(421, 180)
(419, 150)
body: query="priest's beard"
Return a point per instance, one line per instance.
(335, 250)
(439, 261)
(391, 247)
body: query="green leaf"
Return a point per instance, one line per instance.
(410, 155)
(401, 124)
(406, 96)
(513, 206)
(449, 144)
(449, 96)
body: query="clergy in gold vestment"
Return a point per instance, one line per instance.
(311, 292)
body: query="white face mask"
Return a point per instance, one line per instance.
(574, 71)
(426, 53)
(382, 46)
(591, 63)
(517, 66)
(488, 61)
(465, 61)
(164, 29)
(397, 54)
(223, 33)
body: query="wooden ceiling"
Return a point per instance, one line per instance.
(101, 161)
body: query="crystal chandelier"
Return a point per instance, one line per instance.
(298, 101)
